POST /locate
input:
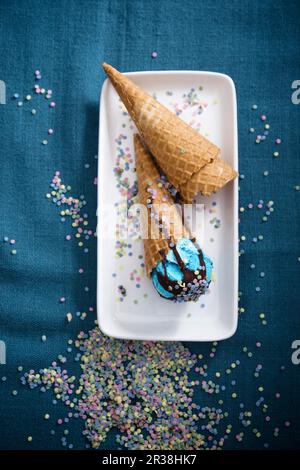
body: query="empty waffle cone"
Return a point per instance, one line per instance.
(161, 217)
(178, 148)
(208, 180)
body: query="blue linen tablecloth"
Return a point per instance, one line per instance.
(253, 42)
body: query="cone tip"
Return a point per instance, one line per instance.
(106, 67)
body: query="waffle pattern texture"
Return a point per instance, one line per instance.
(189, 160)
(161, 217)
(178, 148)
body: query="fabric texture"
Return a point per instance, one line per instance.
(253, 42)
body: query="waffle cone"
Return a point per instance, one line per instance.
(156, 239)
(208, 180)
(178, 148)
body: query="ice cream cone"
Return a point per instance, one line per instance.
(161, 218)
(178, 148)
(208, 180)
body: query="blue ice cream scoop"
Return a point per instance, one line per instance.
(184, 273)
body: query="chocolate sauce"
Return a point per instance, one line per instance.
(192, 285)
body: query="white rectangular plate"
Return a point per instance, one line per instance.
(207, 101)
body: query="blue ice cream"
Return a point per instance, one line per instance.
(184, 274)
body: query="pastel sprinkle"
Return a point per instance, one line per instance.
(69, 317)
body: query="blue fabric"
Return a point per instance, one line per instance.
(256, 44)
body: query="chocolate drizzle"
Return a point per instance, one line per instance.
(192, 285)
